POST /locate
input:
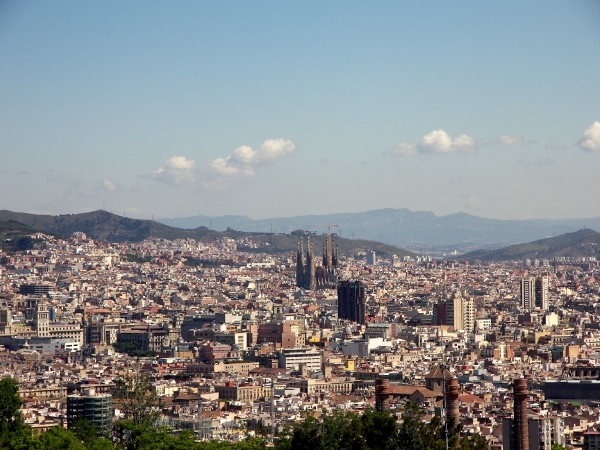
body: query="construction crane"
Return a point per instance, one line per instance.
(329, 225)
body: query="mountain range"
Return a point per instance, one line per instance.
(402, 227)
(106, 226)
(578, 244)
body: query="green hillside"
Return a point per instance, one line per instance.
(106, 226)
(578, 244)
(15, 236)
(101, 225)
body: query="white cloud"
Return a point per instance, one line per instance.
(403, 149)
(591, 138)
(438, 141)
(177, 170)
(221, 167)
(220, 172)
(268, 152)
(109, 185)
(507, 139)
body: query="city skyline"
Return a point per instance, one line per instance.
(280, 110)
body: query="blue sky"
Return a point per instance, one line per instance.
(271, 109)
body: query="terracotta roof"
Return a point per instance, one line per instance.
(436, 374)
(428, 393)
(469, 398)
(403, 390)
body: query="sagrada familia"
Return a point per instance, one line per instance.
(308, 275)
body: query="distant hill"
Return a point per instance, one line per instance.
(13, 235)
(105, 226)
(101, 225)
(402, 227)
(578, 244)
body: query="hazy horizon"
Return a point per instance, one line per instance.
(158, 218)
(368, 210)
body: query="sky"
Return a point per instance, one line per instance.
(275, 109)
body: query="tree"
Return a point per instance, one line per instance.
(379, 429)
(307, 435)
(14, 434)
(411, 432)
(374, 430)
(138, 401)
(557, 446)
(474, 442)
(24, 243)
(88, 434)
(10, 404)
(59, 438)
(343, 430)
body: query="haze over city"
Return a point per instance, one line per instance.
(300, 225)
(281, 109)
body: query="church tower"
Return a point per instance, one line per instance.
(300, 266)
(309, 272)
(41, 321)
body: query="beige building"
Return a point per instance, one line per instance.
(245, 393)
(460, 312)
(312, 385)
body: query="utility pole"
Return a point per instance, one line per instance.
(445, 406)
(272, 407)
(60, 404)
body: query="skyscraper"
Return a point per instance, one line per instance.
(541, 293)
(454, 316)
(534, 293)
(351, 301)
(460, 312)
(371, 258)
(468, 314)
(528, 293)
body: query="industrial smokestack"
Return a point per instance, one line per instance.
(452, 411)
(520, 423)
(382, 394)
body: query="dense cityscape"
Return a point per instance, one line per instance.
(253, 346)
(299, 225)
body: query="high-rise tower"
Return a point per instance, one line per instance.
(528, 293)
(541, 293)
(351, 301)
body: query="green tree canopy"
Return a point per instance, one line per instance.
(375, 430)
(138, 401)
(371, 430)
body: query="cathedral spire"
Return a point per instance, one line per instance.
(300, 266)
